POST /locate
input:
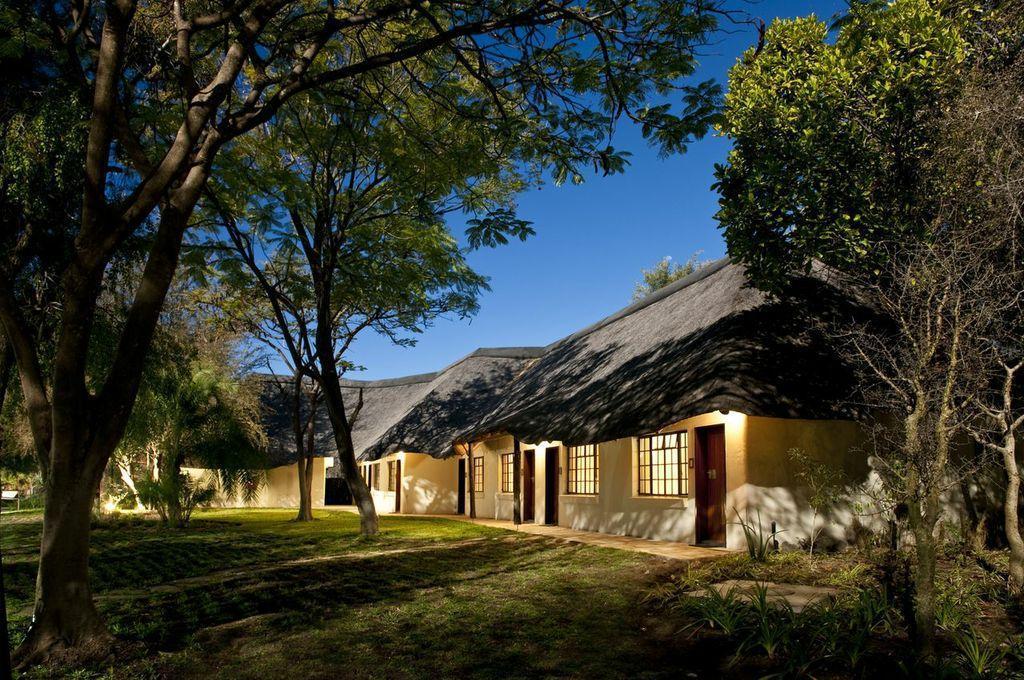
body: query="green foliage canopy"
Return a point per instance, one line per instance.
(831, 137)
(665, 272)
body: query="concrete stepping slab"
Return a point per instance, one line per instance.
(798, 596)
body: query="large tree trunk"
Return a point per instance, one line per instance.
(331, 386)
(924, 584)
(64, 615)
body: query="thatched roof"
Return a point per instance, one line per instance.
(276, 395)
(458, 397)
(707, 342)
(384, 401)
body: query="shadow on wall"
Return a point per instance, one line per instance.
(430, 498)
(769, 361)
(659, 524)
(855, 518)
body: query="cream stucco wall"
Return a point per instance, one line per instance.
(280, 490)
(429, 485)
(759, 477)
(773, 488)
(619, 509)
(384, 500)
(488, 503)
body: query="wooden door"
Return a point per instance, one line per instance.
(529, 485)
(398, 486)
(710, 484)
(551, 485)
(462, 487)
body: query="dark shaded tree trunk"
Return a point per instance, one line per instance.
(330, 388)
(517, 509)
(471, 482)
(305, 489)
(64, 614)
(330, 384)
(76, 433)
(924, 583)
(5, 643)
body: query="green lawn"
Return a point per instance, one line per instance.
(250, 594)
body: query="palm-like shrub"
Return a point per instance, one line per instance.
(175, 497)
(196, 410)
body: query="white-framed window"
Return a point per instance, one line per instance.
(507, 473)
(583, 471)
(478, 474)
(663, 464)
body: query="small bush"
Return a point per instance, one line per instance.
(977, 656)
(958, 599)
(760, 544)
(175, 497)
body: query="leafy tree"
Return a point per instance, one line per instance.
(196, 408)
(664, 273)
(838, 158)
(352, 225)
(166, 88)
(830, 138)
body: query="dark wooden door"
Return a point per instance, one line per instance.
(398, 486)
(462, 487)
(529, 485)
(710, 483)
(551, 485)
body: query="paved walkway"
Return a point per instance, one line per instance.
(667, 549)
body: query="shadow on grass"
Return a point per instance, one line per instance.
(300, 595)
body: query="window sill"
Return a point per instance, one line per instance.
(581, 498)
(662, 499)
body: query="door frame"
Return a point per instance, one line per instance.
(460, 507)
(529, 486)
(552, 461)
(705, 534)
(398, 485)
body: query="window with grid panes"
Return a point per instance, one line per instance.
(583, 471)
(507, 472)
(478, 474)
(662, 464)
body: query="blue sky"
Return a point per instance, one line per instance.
(592, 240)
